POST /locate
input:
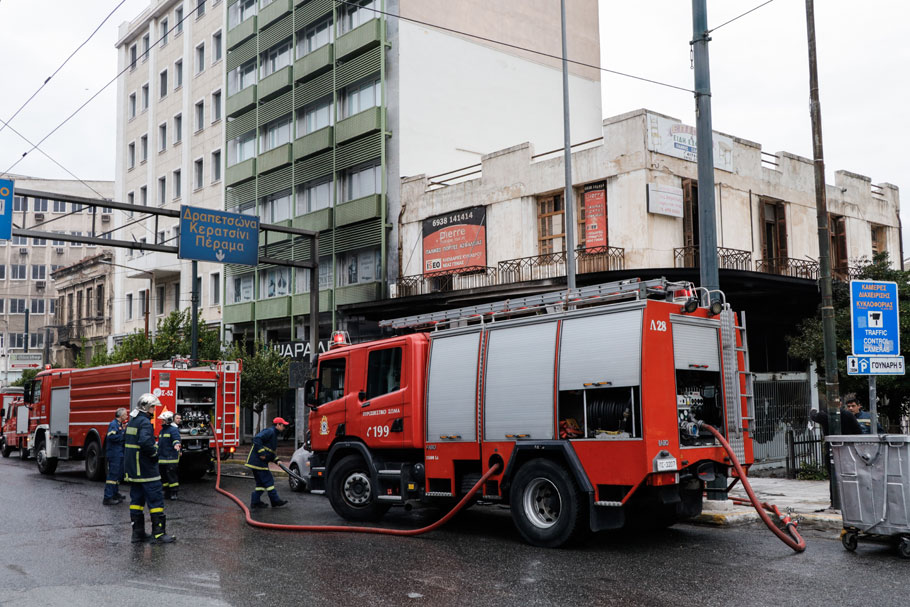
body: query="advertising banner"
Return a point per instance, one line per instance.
(673, 138)
(595, 199)
(455, 240)
(665, 200)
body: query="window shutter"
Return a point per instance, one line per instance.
(781, 225)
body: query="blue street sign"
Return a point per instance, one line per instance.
(874, 318)
(875, 365)
(6, 209)
(209, 235)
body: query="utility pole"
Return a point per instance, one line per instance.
(147, 309)
(569, 202)
(194, 330)
(25, 341)
(832, 388)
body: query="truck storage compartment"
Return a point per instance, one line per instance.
(196, 404)
(699, 394)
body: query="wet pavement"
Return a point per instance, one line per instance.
(60, 546)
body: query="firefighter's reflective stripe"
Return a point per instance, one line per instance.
(264, 448)
(131, 430)
(272, 488)
(112, 482)
(112, 432)
(259, 489)
(256, 467)
(154, 510)
(168, 461)
(134, 507)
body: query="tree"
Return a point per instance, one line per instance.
(264, 378)
(808, 344)
(27, 374)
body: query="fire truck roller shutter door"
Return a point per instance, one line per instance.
(519, 381)
(601, 348)
(452, 387)
(696, 345)
(60, 411)
(138, 388)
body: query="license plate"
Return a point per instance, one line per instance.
(666, 465)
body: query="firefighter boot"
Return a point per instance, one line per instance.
(137, 520)
(159, 523)
(173, 494)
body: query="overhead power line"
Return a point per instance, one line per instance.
(738, 16)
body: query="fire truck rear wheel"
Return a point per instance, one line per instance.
(23, 451)
(547, 506)
(351, 493)
(6, 449)
(46, 465)
(94, 463)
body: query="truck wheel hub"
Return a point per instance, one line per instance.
(357, 489)
(542, 503)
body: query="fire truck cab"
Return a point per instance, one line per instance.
(13, 433)
(591, 404)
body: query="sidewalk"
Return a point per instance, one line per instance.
(809, 501)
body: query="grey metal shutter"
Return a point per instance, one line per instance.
(452, 388)
(695, 346)
(519, 382)
(603, 348)
(59, 422)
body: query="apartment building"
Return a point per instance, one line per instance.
(170, 136)
(27, 264)
(328, 104)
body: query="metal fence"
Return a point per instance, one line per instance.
(805, 449)
(782, 404)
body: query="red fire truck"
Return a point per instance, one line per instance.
(70, 410)
(11, 400)
(590, 401)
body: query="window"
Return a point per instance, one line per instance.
(40, 205)
(132, 105)
(131, 155)
(36, 340)
(160, 237)
(159, 300)
(314, 196)
(275, 133)
(51, 306)
(216, 166)
(76, 244)
(879, 239)
(130, 199)
(200, 116)
(162, 190)
(356, 13)
(40, 242)
(77, 207)
(20, 203)
(331, 380)
(143, 196)
(242, 76)
(177, 295)
(16, 305)
(361, 181)
(143, 302)
(178, 186)
(58, 243)
(275, 58)
(359, 97)
(383, 372)
(145, 47)
(215, 291)
(216, 47)
(133, 56)
(774, 235)
(550, 224)
(129, 306)
(17, 271)
(162, 84)
(277, 207)
(274, 282)
(216, 106)
(197, 174)
(162, 137)
(314, 117)
(162, 31)
(325, 276)
(200, 8)
(99, 302)
(240, 12)
(200, 58)
(837, 231)
(19, 240)
(358, 267)
(178, 74)
(16, 340)
(241, 148)
(2, 272)
(143, 148)
(145, 96)
(60, 205)
(314, 37)
(199, 287)
(178, 128)
(241, 288)
(39, 272)
(178, 17)
(2, 311)
(37, 306)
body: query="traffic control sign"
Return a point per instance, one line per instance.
(875, 365)
(874, 318)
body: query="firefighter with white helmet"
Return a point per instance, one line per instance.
(169, 454)
(142, 472)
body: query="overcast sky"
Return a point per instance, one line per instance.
(759, 78)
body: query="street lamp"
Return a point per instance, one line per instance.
(151, 278)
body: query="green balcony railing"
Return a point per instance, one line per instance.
(273, 307)
(235, 313)
(273, 11)
(313, 143)
(360, 209)
(367, 121)
(276, 83)
(360, 38)
(240, 172)
(300, 303)
(319, 221)
(241, 101)
(352, 294)
(275, 158)
(241, 32)
(274, 237)
(314, 63)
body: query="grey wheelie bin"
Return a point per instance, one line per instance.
(872, 472)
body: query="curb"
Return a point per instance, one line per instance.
(822, 522)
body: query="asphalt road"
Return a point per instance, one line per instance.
(60, 546)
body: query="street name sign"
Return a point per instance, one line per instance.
(25, 360)
(219, 236)
(875, 365)
(874, 318)
(6, 209)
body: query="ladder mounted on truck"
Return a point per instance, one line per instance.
(553, 301)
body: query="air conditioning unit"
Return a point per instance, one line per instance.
(23, 251)
(39, 216)
(59, 250)
(106, 218)
(40, 284)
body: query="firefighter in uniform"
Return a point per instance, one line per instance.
(169, 454)
(263, 451)
(113, 445)
(142, 471)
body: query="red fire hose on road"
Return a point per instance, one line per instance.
(792, 537)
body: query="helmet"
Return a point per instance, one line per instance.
(147, 402)
(166, 416)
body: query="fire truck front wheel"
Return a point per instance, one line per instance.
(6, 448)
(46, 465)
(351, 493)
(547, 506)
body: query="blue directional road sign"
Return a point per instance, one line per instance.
(874, 318)
(875, 365)
(6, 209)
(209, 235)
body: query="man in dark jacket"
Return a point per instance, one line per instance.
(169, 455)
(263, 451)
(113, 445)
(848, 423)
(142, 471)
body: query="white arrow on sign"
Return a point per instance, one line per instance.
(219, 255)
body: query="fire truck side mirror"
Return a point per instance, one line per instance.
(311, 393)
(28, 391)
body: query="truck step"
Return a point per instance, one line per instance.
(438, 494)
(609, 504)
(389, 498)
(318, 491)
(390, 472)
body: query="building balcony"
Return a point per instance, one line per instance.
(471, 277)
(360, 209)
(152, 264)
(354, 294)
(315, 63)
(241, 101)
(787, 266)
(553, 265)
(319, 221)
(241, 171)
(276, 83)
(309, 11)
(237, 313)
(727, 259)
(88, 328)
(363, 123)
(274, 158)
(241, 32)
(359, 39)
(273, 12)
(314, 142)
(300, 303)
(274, 307)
